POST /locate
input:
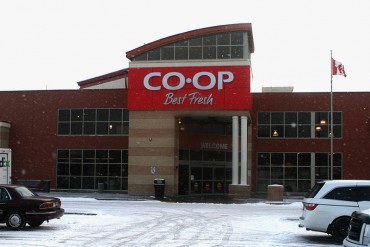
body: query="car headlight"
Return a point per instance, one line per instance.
(366, 240)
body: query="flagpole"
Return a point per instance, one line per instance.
(331, 115)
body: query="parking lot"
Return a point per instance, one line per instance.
(148, 222)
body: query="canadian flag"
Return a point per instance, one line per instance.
(337, 68)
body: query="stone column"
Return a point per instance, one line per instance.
(241, 190)
(235, 150)
(244, 151)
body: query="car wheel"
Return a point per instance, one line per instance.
(15, 220)
(340, 228)
(35, 223)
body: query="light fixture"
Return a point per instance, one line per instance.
(181, 125)
(275, 134)
(323, 121)
(318, 128)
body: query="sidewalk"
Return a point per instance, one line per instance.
(96, 195)
(221, 199)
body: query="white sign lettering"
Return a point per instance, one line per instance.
(222, 77)
(191, 98)
(212, 145)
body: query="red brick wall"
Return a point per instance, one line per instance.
(34, 140)
(33, 134)
(355, 142)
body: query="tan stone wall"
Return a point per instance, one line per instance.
(153, 143)
(153, 151)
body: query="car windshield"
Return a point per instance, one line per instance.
(24, 192)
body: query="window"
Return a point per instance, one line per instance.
(343, 194)
(295, 170)
(230, 45)
(298, 124)
(313, 192)
(184, 155)
(196, 155)
(168, 52)
(182, 53)
(154, 55)
(4, 196)
(304, 124)
(85, 169)
(290, 124)
(24, 192)
(323, 166)
(213, 156)
(323, 124)
(93, 121)
(363, 193)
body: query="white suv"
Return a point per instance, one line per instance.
(329, 205)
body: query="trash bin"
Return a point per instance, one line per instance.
(159, 184)
(101, 187)
(275, 192)
(46, 185)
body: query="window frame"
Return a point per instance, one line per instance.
(300, 164)
(221, 46)
(279, 125)
(92, 159)
(93, 122)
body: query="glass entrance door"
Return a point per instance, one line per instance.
(204, 179)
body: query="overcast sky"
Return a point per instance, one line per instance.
(53, 44)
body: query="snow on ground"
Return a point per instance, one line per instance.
(91, 222)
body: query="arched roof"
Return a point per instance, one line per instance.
(247, 27)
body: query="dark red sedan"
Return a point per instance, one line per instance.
(19, 205)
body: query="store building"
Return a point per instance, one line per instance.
(183, 112)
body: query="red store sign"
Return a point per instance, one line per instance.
(190, 88)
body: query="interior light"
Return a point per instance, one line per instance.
(323, 121)
(275, 134)
(318, 128)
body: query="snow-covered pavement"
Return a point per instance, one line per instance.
(91, 222)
